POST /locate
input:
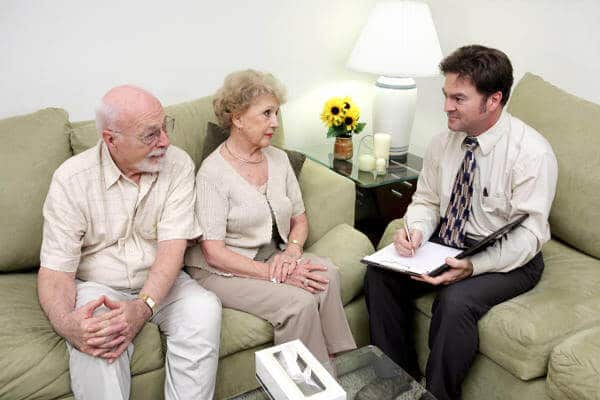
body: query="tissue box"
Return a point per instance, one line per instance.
(274, 378)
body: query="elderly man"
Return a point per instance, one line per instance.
(116, 221)
(488, 169)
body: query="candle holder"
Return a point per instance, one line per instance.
(377, 155)
(381, 146)
(366, 157)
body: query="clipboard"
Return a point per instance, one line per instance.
(477, 247)
(483, 243)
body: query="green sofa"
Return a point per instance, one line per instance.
(33, 359)
(546, 343)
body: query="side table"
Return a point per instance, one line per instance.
(379, 198)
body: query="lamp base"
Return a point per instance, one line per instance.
(394, 111)
(401, 158)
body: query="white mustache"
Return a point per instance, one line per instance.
(157, 153)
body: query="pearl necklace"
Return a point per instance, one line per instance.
(243, 159)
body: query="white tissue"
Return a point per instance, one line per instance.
(292, 367)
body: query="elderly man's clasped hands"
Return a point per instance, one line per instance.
(107, 335)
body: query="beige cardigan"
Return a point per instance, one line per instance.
(231, 209)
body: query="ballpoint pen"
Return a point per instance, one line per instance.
(412, 251)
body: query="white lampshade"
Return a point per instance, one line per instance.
(399, 40)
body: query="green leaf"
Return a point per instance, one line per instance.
(359, 127)
(332, 131)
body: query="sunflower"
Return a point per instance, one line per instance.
(348, 104)
(351, 119)
(333, 112)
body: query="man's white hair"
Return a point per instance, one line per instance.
(106, 115)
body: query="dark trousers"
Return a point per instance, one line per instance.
(453, 335)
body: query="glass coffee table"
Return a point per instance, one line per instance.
(367, 374)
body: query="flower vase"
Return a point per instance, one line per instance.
(342, 148)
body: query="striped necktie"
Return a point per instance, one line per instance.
(452, 229)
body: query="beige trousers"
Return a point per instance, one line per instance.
(318, 320)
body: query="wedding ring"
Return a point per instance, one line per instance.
(305, 282)
(274, 280)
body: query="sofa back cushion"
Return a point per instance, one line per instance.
(571, 125)
(33, 146)
(191, 119)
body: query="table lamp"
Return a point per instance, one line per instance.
(398, 42)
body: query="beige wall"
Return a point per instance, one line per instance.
(68, 53)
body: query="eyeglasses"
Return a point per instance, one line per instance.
(150, 138)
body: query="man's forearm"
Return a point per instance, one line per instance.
(57, 294)
(422, 217)
(166, 268)
(515, 250)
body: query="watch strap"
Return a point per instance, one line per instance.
(148, 300)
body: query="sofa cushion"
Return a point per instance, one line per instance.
(519, 334)
(328, 199)
(34, 362)
(345, 246)
(241, 331)
(571, 126)
(574, 368)
(191, 118)
(33, 146)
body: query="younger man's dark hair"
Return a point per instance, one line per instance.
(489, 69)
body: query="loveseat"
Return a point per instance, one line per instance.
(33, 358)
(546, 343)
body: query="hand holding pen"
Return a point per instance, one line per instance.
(412, 249)
(407, 240)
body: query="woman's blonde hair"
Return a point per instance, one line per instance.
(240, 89)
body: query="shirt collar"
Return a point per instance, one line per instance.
(488, 139)
(111, 172)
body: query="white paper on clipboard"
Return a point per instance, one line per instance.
(426, 259)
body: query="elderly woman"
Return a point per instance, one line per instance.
(250, 206)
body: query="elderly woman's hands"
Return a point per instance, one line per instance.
(304, 277)
(281, 266)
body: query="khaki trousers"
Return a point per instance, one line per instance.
(189, 317)
(318, 320)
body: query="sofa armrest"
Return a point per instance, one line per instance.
(390, 230)
(328, 198)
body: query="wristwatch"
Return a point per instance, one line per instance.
(148, 300)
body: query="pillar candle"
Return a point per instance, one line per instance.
(381, 145)
(380, 164)
(366, 162)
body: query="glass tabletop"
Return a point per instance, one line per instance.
(397, 171)
(367, 374)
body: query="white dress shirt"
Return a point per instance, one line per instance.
(516, 174)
